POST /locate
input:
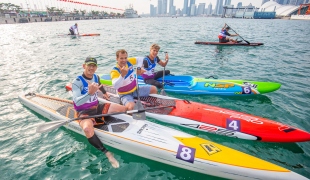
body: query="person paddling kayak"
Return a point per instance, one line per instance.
(85, 99)
(224, 35)
(149, 64)
(74, 28)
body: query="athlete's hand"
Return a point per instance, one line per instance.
(106, 96)
(124, 71)
(167, 57)
(93, 87)
(142, 71)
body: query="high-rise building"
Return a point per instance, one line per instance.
(239, 5)
(165, 5)
(216, 6)
(293, 2)
(193, 10)
(191, 2)
(179, 12)
(285, 2)
(185, 7)
(159, 7)
(190, 7)
(152, 10)
(172, 11)
(264, 1)
(219, 7)
(171, 7)
(209, 9)
(227, 2)
(201, 8)
(299, 2)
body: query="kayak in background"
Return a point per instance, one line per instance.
(183, 84)
(214, 119)
(162, 144)
(229, 43)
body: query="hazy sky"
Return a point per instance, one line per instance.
(142, 6)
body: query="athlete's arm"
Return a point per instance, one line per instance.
(145, 64)
(117, 79)
(101, 88)
(78, 98)
(136, 61)
(224, 27)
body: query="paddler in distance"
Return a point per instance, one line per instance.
(124, 79)
(150, 76)
(74, 29)
(85, 99)
(224, 35)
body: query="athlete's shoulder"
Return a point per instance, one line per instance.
(77, 79)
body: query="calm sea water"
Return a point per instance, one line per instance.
(35, 58)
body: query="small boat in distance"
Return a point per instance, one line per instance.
(130, 12)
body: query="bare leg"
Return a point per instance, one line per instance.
(130, 105)
(153, 90)
(112, 160)
(116, 108)
(88, 127)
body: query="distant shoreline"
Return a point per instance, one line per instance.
(15, 20)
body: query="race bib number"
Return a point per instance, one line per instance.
(94, 97)
(186, 153)
(131, 77)
(233, 125)
(246, 90)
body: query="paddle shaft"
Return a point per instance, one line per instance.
(138, 105)
(162, 92)
(239, 35)
(49, 126)
(137, 85)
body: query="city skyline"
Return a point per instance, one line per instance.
(141, 6)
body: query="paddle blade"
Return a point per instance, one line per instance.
(141, 115)
(46, 127)
(247, 41)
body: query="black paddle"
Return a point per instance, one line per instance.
(138, 106)
(49, 126)
(238, 35)
(162, 92)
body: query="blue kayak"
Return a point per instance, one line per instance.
(184, 84)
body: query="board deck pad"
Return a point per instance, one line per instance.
(66, 108)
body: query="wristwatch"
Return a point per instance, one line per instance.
(138, 68)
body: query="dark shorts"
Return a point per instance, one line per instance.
(223, 40)
(95, 110)
(154, 81)
(144, 91)
(71, 31)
